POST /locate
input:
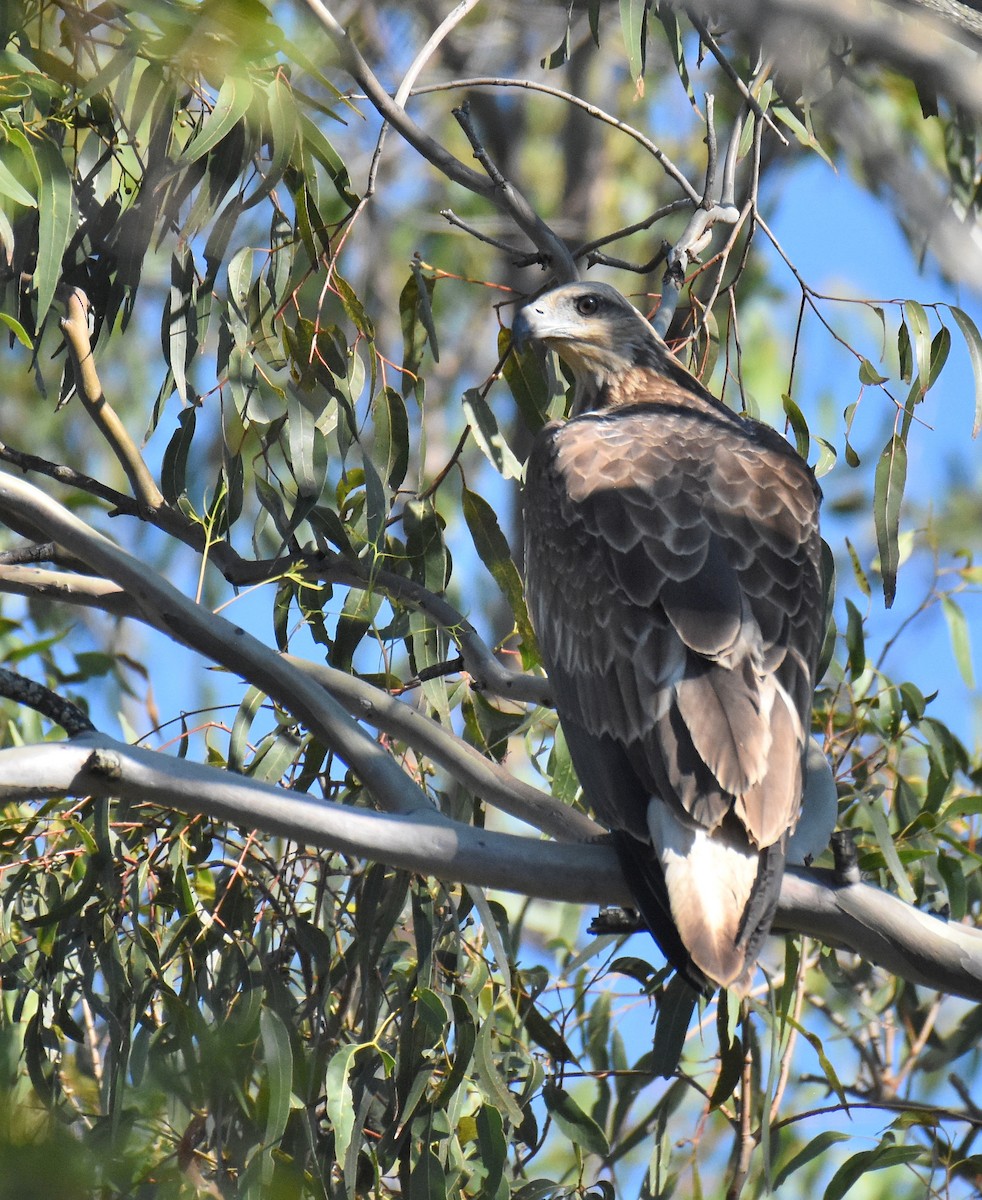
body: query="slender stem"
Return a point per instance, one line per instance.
(75, 326)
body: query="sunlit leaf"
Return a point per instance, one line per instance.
(634, 15)
(494, 551)
(814, 1149)
(233, 102)
(55, 220)
(961, 642)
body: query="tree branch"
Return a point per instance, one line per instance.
(923, 949)
(508, 199)
(220, 641)
(75, 327)
(365, 702)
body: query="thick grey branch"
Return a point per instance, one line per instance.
(879, 927)
(492, 783)
(218, 640)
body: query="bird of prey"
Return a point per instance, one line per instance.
(673, 579)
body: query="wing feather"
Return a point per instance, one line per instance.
(673, 580)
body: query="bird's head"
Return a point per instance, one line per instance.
(596, 332)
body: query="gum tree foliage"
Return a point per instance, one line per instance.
(261, 345)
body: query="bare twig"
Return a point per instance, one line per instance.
(70, 477)
(503, 81)
(44, 701)
(439, 35)
(465, 763)
(744, 1145)
(449, 215)
(75, 326)
(726, 66)
(666, 210)
(508, 198)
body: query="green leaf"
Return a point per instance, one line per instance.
(675, 1006)
(950, 870)
(13, 189)
(339, 1101)
(578, 1126)
(799, 426)
(905, 353)
(55, 221)
(868, 374)
(428, 1180)
(816, 1147)
(940, 349)
(279, 1069)
(494, 551)
(884, 839)
(961, 642)
(18, 330)
(888, 491)
(391, 450)
(281, 109)
(488, 436)
(973, 340)
(525, 375)
(803, 135)
(307, 446)
(231, 106)
(492, 1085)
(858, 1165)
(827, 456)
(855, 640)
(238, 741)
(857, 569)
(917, 318)
(173, 471)
(492, 1149)
(634, 29)
(731, 1053)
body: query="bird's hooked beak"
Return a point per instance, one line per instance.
(523, 328)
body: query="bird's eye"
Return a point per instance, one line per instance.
(586, 306)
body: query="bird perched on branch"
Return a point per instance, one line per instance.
(673, 578)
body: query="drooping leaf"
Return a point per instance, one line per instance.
(55, 220)
(279, 1072)
(799, 426)
(921, 329)
(814, 1149)
(858, 1165)
(577, 1125)
(391, 422)
(173, 473)
(282, 121)
(634, 29)
(888, 491)
(494, 551)
(961, 642)
(490, 439)
(233, 102)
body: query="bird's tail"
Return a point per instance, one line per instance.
(719, 893)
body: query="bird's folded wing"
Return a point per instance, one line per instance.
(672, 567)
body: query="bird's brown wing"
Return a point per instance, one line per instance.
(673, 580)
